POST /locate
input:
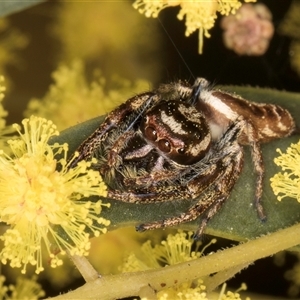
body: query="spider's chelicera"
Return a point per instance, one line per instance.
(183, 142)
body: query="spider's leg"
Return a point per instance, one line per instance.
(191, 214)
(211, 211)
(131, 109)
(113, 157)
(259, 168)
(186, 187)
(248, 135)
(147, 195)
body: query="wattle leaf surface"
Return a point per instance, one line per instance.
(10, 7)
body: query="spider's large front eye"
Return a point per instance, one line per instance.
(164, 146)
(150, 133)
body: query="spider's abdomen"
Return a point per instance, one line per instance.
(269, 121)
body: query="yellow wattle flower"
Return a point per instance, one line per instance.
(287, 184)
(176, 249)
(40, 196)
(5, 131)
(24, 288)
(199, 14)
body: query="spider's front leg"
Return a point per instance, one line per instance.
(127, 113)
(113, 157)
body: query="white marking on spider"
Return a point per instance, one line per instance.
(173, 124)
(196, 149)
(218, 105)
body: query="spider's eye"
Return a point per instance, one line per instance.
(181, 150)
(164, 146)
(151, 134)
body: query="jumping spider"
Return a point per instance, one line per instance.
(182, 142)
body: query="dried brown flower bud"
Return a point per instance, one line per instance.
(249, 31)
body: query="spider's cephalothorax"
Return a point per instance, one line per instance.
(181, 142)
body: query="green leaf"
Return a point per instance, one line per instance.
(8, 6)
(237, 220)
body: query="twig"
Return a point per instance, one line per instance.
(84, 267)
(214, 281)
(129, 284)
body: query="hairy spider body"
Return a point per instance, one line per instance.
(182, 142)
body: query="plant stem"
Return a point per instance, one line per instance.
(129, 284)
(216, 280)
(85, 268)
